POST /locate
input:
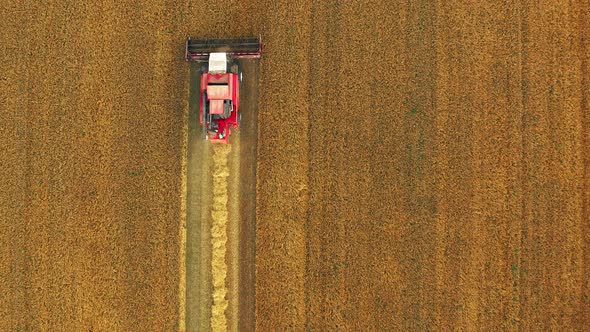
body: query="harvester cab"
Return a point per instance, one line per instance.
(220, 82)
(218, 63)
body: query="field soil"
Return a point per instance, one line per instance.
(420, 165)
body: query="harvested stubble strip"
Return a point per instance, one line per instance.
(219, 216)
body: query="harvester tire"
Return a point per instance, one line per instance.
(204, 129)
(233, 68)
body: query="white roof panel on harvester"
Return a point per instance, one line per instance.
(218, 63)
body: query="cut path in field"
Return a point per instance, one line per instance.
(221, 217)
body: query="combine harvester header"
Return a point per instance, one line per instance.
(199, 49)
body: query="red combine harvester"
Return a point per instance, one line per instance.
(220, 82)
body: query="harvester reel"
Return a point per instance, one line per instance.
(199, 49)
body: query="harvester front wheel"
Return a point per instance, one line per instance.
(205, 116)
(234, 68)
